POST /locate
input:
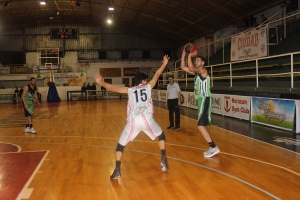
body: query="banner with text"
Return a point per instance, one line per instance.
(130, 71)
(249, 45)
(163, 95)
(155, 95)
(228, 105)
(231, 105)
(277, 113)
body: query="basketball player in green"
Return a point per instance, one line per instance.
(28, 96)
(203, 95)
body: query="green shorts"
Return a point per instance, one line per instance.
(29, 111)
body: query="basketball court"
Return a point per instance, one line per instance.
(73, 154)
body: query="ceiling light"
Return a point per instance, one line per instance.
(78, 3)
(6, 3)
(43, 2)
(111, 8)
(109, 21)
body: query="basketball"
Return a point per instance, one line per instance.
(190, 48)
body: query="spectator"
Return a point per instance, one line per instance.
(83, 88)
(264, 20)
(21, 92)
(2, 87)
(17, 90)
(16, 95)
(103, 90)
(89, 87)
(94, 88)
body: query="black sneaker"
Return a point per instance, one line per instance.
(164, 164)
(170, 127)
(116, 174)
(176, 128)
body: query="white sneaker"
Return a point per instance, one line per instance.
(27, 130)
(211, 152)
(32, 130)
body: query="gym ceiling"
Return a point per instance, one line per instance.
(172, 22)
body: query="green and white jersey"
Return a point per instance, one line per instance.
(29, 97)
(202, 86)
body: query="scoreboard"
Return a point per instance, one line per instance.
(64, 33)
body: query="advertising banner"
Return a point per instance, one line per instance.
(183, 98)
(249, 45)
(20, 70)
(279, 113)
(231, 105)
(130, 71)
(163, 95)
(160, 95)
(155, 95)
(191, 102)
(76, 81)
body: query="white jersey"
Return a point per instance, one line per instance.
(139, 101)
(139, 115)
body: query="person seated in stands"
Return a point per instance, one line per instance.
(94, 88)
(16, 94)
(16, 91)
(103, 90)
(264, 20)
(83, 88)
(2, 87)
(89, 87)
(20, 92)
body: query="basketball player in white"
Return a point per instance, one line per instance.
(139, 115)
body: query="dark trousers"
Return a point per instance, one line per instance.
(173, 107)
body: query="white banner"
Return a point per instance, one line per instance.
(155, 95)
(163, 95)
(231, 105)
(183, 99)
(191, 102)
(249, 45)
(228, 105)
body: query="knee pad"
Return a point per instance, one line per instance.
(161, 137)
(120, 148)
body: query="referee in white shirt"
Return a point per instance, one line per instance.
(173, 103)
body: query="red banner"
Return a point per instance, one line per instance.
(130, 71)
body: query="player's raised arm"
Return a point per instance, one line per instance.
(159, 71)
(191, 65)
(183, 66)
(108, 86)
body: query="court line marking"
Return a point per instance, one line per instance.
(236, 132)
(179, 145)
(177, 159)
(20, 196)
(19, 148)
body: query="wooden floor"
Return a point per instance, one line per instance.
(81, 138)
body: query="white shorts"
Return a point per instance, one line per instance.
(136, 125)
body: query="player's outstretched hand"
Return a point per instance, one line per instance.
(166, 59)
(98, 78)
